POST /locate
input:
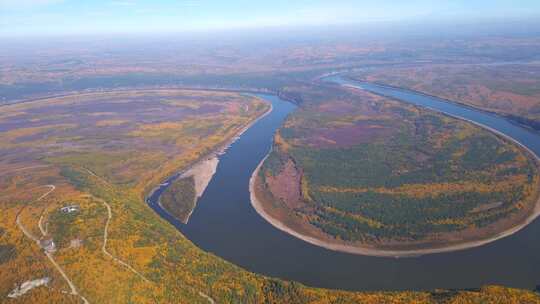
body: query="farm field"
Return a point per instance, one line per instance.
(357, 169)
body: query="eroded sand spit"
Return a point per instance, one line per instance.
(203, 171)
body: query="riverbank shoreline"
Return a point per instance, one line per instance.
(198, 167)
(400, 253)
(202, 173)
(501, 114)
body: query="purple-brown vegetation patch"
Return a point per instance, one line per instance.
(358, 133)
(286, 185)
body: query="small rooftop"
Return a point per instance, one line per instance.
(70, 209)
(48, 245)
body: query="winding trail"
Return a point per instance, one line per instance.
(49, 255)
(40, 224)
(202, 294)
(66, 278)
(106, 237)
(106, 230)
(27, 233)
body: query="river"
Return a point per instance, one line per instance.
(225, 223)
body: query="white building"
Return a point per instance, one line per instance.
(70, 209)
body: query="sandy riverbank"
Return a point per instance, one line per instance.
(203, 170)
(373, 251)
(202, 173)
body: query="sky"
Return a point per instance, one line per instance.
(58, 17)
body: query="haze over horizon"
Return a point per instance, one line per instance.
(60, 17)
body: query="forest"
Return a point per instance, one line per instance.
(113, 248)
(376, 171)
(122, 122)
(179, 198)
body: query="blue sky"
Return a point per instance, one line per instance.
(42, 17)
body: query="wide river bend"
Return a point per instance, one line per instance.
(225, 223)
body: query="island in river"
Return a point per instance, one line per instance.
(364, 174)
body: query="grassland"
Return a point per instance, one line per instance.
(512, 90)
(351, 168)
(103, 152)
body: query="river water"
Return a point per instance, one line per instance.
(225, 224)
